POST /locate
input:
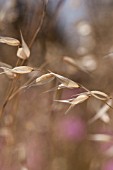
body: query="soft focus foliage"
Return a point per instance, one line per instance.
(56, 54)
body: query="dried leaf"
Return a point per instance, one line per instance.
(22, 69)
(46, 78)
(100, 137)
(9, 41)
(65, 82)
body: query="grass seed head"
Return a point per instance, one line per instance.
(9, 41)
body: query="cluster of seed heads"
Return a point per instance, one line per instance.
(23, 52)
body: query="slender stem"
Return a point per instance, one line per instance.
(40, 24)
(23, 61)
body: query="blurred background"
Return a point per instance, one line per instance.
(35, 134)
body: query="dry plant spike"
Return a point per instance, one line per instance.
(46, 78)
(100, 137)
(9, 41)
(65, 82)
(74, 101)
(102, 113)
(22, 69)
(8, 72)
(97, 94)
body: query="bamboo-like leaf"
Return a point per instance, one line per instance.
(65, 82)
(9, 41)
(22, 69)
(100, 137)
(46, 78)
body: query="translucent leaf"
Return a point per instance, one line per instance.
(65, 82)
(46, 78)
(22, 69)
(9, 41)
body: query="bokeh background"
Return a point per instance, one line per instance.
(35, 134)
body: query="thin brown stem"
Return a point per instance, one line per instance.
(40, 24)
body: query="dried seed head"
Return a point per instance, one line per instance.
(97, 94)
(21, 54)
(22, 69)
(46, 78)
(8, 72)
(74, 101)
(24, 51)
(80, 99)
(65, 82)
(9, 41)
